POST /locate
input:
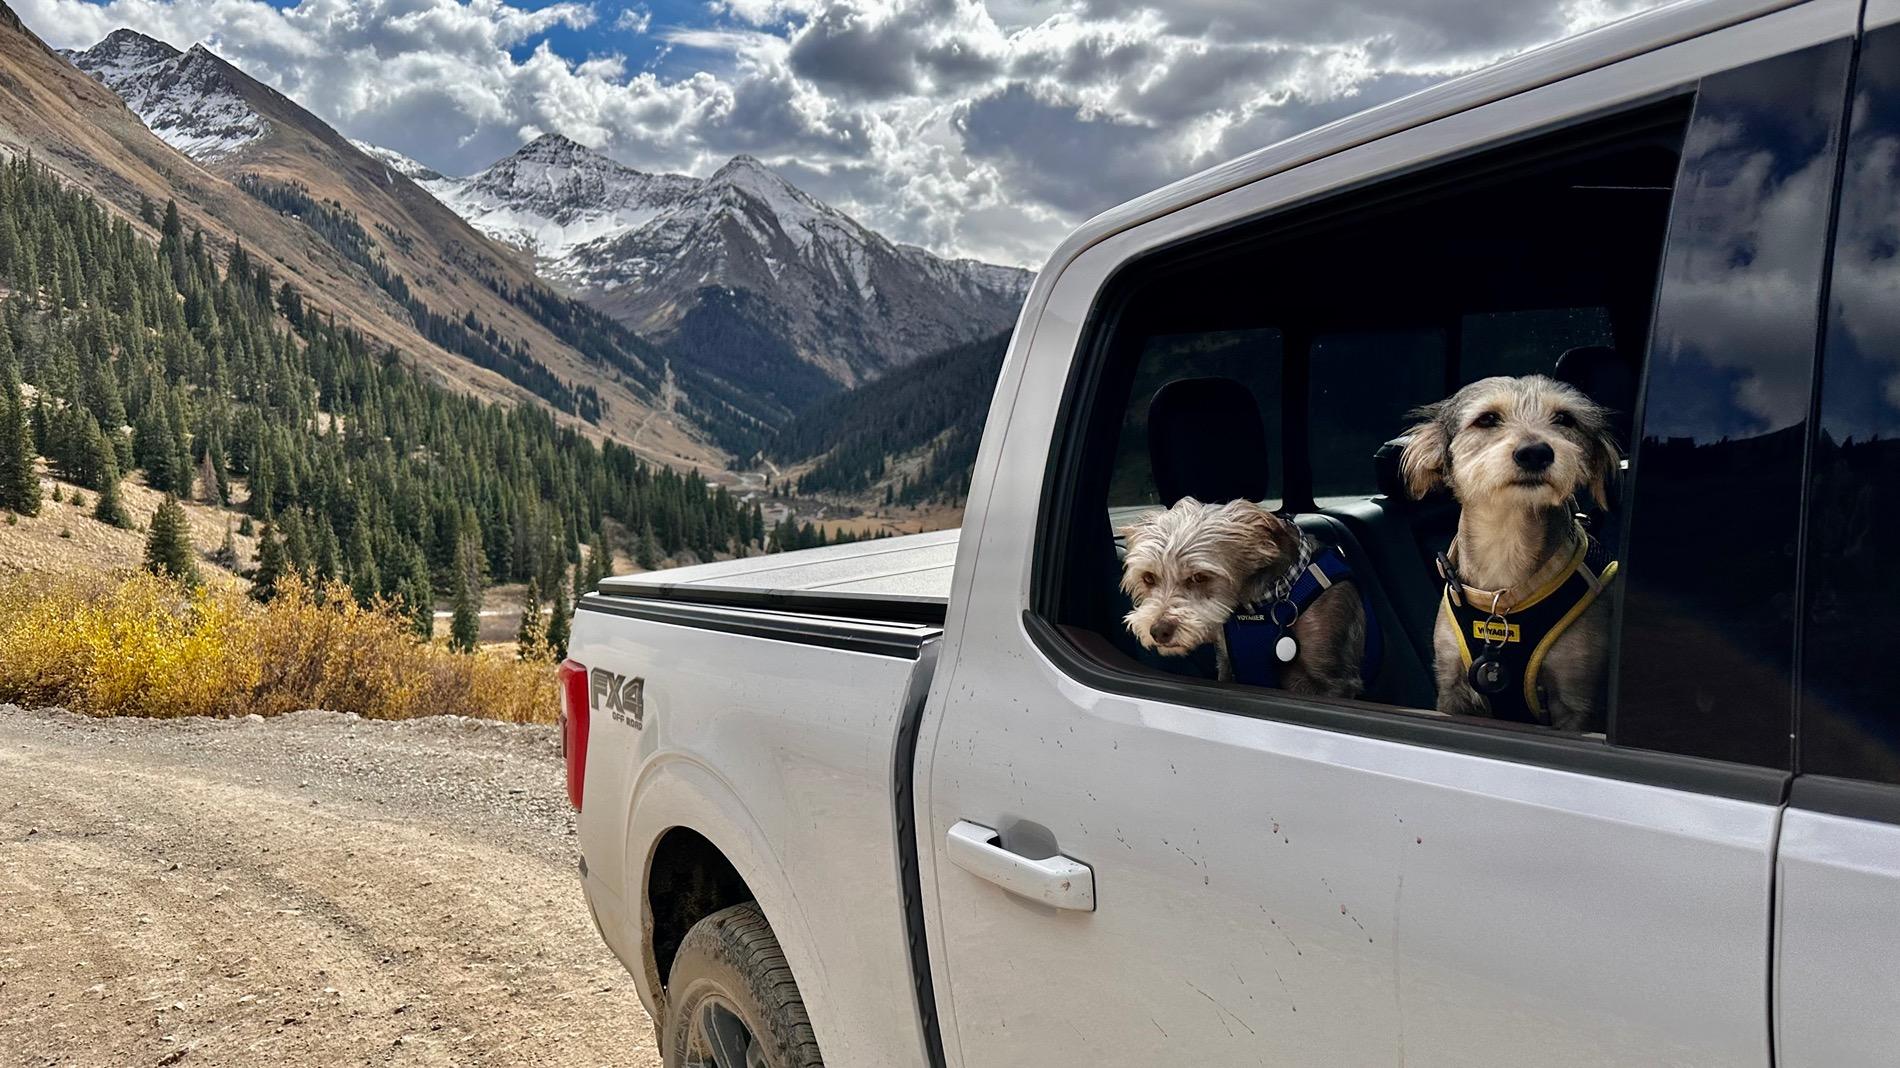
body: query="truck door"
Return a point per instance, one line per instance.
(1838, 893)
(1125, 862)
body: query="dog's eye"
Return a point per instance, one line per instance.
(1148, 580)
(1564, 419)
(1487, 421)
(1197, 579)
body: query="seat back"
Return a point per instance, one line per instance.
(1206, 441)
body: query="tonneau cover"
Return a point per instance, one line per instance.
(904, 579)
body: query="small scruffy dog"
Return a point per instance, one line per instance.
(1190, 567)
(1521, 633)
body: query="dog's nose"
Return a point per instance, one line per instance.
(1534, 456)
(1162, 631)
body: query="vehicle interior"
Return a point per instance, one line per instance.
(1278, 363)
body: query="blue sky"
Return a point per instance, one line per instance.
(984, 128)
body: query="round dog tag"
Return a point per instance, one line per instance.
(1286, 648)
(1487, 675)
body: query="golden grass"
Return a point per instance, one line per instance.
(145, 646)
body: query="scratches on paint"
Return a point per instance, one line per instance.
(1222, 1012)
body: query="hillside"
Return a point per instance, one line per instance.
(120, 356)
(907, 438)
(369, 247)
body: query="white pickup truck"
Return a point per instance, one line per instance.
(925, 802)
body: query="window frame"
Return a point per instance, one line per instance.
(1090, 660)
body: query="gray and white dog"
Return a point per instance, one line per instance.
(1517, 452)
(1190, 566)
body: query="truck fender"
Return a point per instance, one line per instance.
(676, 791)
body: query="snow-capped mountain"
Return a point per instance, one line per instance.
(402, 164)
(841, 295)
(184, 97)
(553, 195)
(746, 277)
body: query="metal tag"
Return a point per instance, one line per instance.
(1286, 648)
(1487, 675)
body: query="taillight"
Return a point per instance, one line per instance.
(573, 675)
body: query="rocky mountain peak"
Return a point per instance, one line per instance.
(183, 97)
(555, 146)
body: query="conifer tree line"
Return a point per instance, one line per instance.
(938, 403)
(222, 384)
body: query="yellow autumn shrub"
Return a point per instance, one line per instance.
(146, 646)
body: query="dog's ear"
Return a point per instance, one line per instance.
(1260, 535)
(1427, 456)
(1605, 459)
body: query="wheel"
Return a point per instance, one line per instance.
(731, 1001)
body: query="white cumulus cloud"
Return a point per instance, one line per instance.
(973, 128)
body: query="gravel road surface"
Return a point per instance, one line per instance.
(314, 889)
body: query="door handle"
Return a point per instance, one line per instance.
(1057, 880)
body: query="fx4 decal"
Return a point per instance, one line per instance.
(624, 697)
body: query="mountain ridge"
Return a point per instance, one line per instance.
(462, 291)
(740, 259)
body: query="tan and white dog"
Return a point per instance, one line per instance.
(1522, 633)
(1188, 568)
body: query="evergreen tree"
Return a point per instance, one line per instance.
(323, 555)
(109, 509)
(647, 555)
(19, 482)
(270, 565)
(227, 549)
(418, 591)
(465, 625)
(559, 622)
(599, 560)
(531, 636)
(365, 581)
(168, 543)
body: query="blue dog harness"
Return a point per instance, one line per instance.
(1255, 632)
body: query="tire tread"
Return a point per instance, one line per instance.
(741, 940)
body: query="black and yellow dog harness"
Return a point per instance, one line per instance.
(1503, 640)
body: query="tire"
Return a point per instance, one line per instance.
(730, 987)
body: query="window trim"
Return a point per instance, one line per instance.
(1859, 799)
(1496, 740)
(1050, 556)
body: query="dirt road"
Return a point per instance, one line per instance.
(314, 889)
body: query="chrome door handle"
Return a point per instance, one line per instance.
(1057, 880)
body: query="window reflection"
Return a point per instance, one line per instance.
(1849, 724)
(1707, 647)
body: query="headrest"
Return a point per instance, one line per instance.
(1605, 376)
(1206, 441)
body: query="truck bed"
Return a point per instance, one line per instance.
(900, 580)
(810, 670)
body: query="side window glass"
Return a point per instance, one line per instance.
(1278, 364)
(1707, 639)
(1850, 673)
(1363, 383)
(1520, 342)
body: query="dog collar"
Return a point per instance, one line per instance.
(1545, 581)
(1511, 642)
